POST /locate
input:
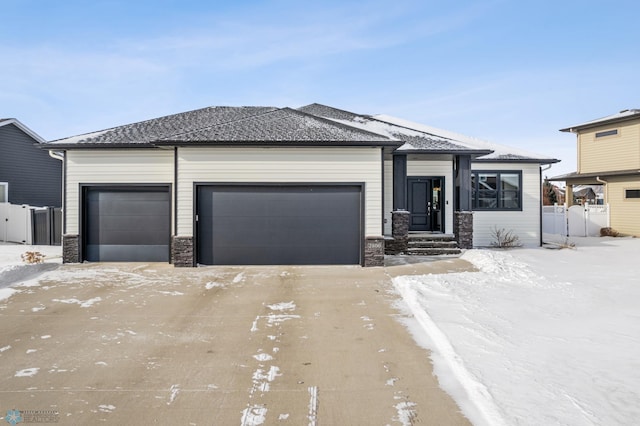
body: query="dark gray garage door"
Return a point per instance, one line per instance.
(129, 224)
(279, 225)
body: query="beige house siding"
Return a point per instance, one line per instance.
(526, 223)
(625, 213)
(112, 166)
(435, 169)
(280, 165)
(609, 153)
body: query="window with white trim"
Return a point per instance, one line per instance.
(4, 192)
(496, 190)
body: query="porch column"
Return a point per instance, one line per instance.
(463, 183)
(463, 216)
(399, 182)
(568, 194)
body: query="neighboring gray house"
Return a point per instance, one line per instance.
(267, 185)
(28, 174)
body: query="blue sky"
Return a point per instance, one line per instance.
(511, 72)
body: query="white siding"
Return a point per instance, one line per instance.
(526, 223)
(435, 169)
(112, 166)
(277, 165)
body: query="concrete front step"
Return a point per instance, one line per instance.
(433, 251)
(432, 244)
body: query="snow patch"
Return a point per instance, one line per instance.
(27, 372)
(263, 357)
(282, 306)
(174, 391)
(238, 278)
(5, 348)
(106, 408)
(213, 284)
(83, 304)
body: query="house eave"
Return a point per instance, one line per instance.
(592, 176)
(518, 160)
(586, 126)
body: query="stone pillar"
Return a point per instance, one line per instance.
(463, 228)
(373, 251)
(70, 248)
(399, 232)
(182, 254)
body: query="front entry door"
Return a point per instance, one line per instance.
(425, 199)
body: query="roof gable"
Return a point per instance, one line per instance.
(624, 115)
(22, 127)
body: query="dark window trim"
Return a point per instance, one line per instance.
(613, 132)
(475, 190)
(634, 192)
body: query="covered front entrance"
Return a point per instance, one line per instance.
(425, 203)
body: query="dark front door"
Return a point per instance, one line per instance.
(425, 198)
(279, 224)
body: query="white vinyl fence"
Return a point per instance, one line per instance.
(575, 221)
(15, 223)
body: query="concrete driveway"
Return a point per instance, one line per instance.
(152, 344)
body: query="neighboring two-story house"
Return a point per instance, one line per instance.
(609, 155)
(28, 174)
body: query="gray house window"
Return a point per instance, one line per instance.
(4, 192)
(496, 190)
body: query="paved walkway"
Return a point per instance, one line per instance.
(152, 344)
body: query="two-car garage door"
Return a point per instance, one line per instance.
(279, 224)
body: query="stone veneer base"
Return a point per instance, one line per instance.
(373, 251)
(70, 248)
(182, 254)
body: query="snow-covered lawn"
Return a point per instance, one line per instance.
(537, 336)
(14, 270)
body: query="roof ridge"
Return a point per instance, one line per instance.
(338, 123)
(270, 110)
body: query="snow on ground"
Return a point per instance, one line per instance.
(537, 336)
(14, 270)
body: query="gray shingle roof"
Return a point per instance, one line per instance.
(413, 140)
(280, 125)
(146, 132)
(228, 125)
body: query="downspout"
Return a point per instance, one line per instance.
(606, 198)
(542, 169)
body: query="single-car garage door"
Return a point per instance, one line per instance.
(127, 224)
(279, 224)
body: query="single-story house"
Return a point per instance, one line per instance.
(28, 175)
(267, 185)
